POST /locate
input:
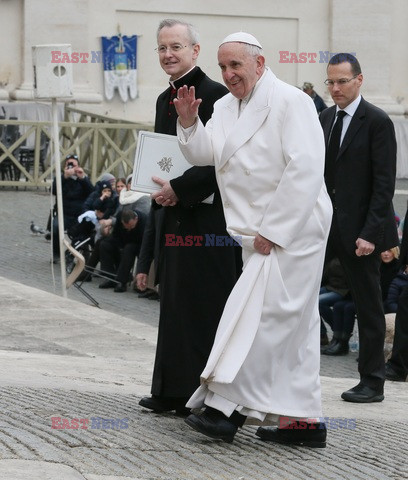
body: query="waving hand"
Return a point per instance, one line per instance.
(187, 106)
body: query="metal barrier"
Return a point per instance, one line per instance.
(101, 143)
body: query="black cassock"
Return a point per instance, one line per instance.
(195, 281)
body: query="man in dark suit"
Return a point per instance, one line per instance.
(195, 281)
(360, 178)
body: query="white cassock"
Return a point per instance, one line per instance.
(269, 162)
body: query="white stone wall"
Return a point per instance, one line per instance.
(375, 29)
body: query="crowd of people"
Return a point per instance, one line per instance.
(309, 195)
(108, 218)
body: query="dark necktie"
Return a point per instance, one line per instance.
(332, 152)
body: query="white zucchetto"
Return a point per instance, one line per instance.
(241, 37)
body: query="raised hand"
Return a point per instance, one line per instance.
(187, 106)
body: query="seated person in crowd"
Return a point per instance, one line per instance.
(334, 288)
(344, 311)
(76, 187)
(103, 206)
(133, 199)
(109, 181)
(396, 368)
(395, 290)
(107, 223)
(128, 199)
(119, 250)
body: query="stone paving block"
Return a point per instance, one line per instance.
(30, 470)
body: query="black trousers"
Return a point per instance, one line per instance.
(363, 277)
(117, 260)
(399, 356)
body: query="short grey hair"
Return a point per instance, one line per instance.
(253, 50)
(191, 29)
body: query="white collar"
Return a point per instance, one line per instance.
(176, 79)
(351, 109)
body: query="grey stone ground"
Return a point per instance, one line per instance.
(63, 358)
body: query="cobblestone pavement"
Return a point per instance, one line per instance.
(154, 447)
(70, 360)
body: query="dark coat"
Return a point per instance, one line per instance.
(121, 236)
(403, 258)
(93, 202)
(334, 278)
(74, 194)
(365, 178)
(319, 103)
(195, 281)
(394, 292)
(388, 272)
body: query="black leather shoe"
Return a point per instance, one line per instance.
(391, 374)
(183, 411)
(214, 427)
(340, 347)
(363, 394)
(314, 435)
(324, 340)
(121, 287)
(146, 294)
(162, 404)
(108, 284)
(156, 404)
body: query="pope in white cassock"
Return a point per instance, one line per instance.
(268, 149)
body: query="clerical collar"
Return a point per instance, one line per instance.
(173, 82)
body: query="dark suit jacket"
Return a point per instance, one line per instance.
(365, 178)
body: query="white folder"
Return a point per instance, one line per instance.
(157, 155)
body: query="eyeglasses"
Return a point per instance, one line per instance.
(341, 82)
(177, 47)
(71, 155)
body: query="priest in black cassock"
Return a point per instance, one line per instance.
(195, 280)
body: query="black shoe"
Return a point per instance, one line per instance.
(324, 340)
(339, 347)
(363, 394)
(213, 426)
(154, 296)
(391, 374)
(183, 411)
(121, 287)
(157, 404)
(108, 284)
(313, 436)
(47, 236)
(163, 404)
(146, 294)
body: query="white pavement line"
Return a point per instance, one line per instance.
(401, 192)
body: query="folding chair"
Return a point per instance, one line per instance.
(75, 266)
